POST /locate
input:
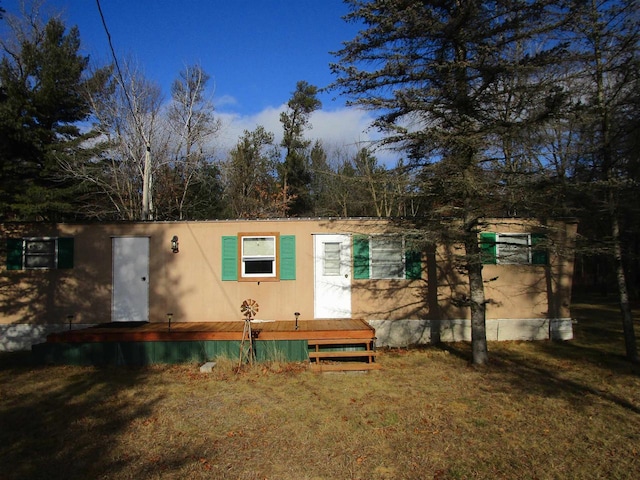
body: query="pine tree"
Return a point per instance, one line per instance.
(42, 100)
(250, 189)
(434, 71)
(295, 175)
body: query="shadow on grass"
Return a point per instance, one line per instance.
(63, 428)
(572, 370)
(532, 377)
(598, 336)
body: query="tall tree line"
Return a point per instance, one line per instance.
(82, 142)
(113, 148)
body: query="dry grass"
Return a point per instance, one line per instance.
(540, 410)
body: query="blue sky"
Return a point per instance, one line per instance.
(254, 50)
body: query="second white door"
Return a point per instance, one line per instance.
(332, 276)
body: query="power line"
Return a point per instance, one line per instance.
(119, 73)
(146, 180)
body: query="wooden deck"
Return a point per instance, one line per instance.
(196, 331)
(328, 345)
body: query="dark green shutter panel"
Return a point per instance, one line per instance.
(488, 248)
(229, 258)
(65, 253)
(539, 254)
(360, 257)
(287, 257)
(14, 254)
(413, 265)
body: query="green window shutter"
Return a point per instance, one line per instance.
(413, 265)
(14, 254)
(65, 253)
(488, 248)
(360, 257)
(287, 257)
(539, 254)
(229, 258)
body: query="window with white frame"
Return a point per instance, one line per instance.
(379, 257)
(387, 257)
(258, 256)
(513, 249)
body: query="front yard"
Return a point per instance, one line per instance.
(540, 410)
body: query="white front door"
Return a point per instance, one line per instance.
(332, 277)
(130, 298)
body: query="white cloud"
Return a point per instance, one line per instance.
(234, 126)
(225, 101)
(347, 128)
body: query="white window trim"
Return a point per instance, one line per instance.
(273, 258)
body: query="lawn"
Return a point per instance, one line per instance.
(540, 410)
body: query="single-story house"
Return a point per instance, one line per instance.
(60, 276)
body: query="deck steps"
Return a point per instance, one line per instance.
(344, 367)
(342, 354)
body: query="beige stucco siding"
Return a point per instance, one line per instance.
(389, 299)
(512, 291)
(192, 287)
(189, 283)
(534, 291)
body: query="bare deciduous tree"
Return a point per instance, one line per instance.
(193, 126)
(607, 43)
(128, 122)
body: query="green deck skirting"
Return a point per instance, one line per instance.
(149, 353)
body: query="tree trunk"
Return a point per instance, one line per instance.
(146, 184)
(608, 169)
(621, 279)
(477, 299)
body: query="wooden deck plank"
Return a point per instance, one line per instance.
(186, 331)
